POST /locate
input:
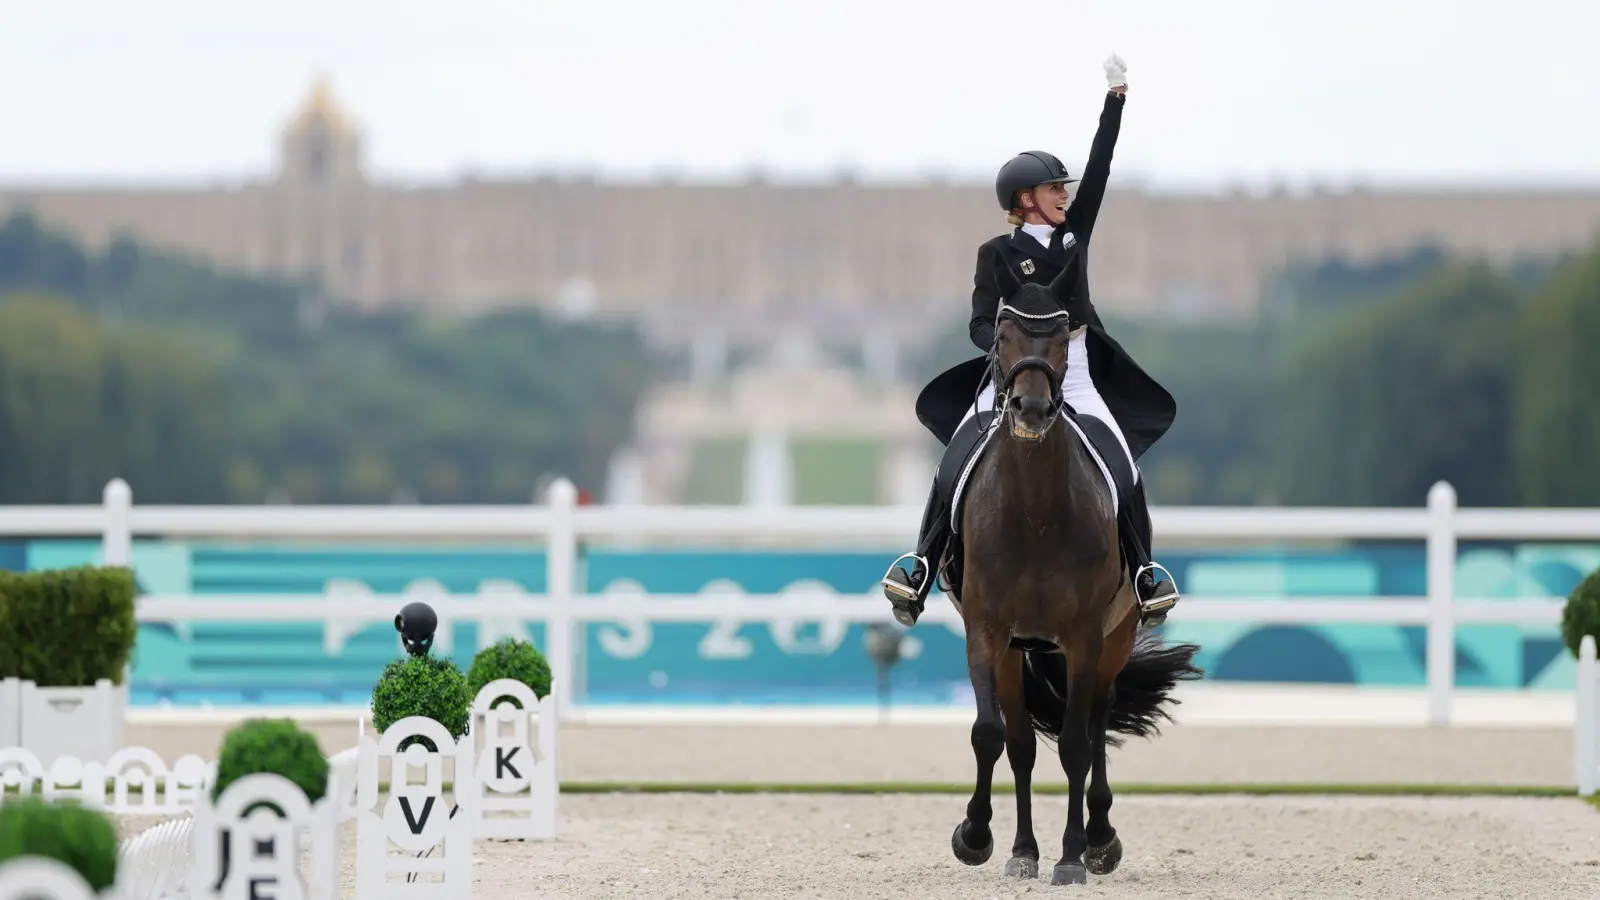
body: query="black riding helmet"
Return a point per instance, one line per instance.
(1026, 170)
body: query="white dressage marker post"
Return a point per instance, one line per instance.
(1586, 725)
(515, 771)
(255, 855)
(415, 817)
(42, 878)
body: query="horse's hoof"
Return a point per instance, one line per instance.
(970, 855)
(1022, 867)
(1103, 860)
(1069, 873)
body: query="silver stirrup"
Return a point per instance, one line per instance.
(903, 590)
(1161, 604)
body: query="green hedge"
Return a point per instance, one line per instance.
(513, 659)
(428, 686)
(67, 627)
(82, 838)
(276, 746)
(1581, 615)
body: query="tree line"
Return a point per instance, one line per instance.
(1356, 385)
(1365, 384)
(200, 385)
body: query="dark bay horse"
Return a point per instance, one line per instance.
(1052, 623)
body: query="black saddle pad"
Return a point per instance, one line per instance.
(1106, 446)
(960, 454)
(972, 438)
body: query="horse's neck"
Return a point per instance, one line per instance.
(1058, 487)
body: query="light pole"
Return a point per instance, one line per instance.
(885, 644)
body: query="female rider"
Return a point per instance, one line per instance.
(1102, 380)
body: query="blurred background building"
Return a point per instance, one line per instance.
(834, 259)
(825, 295)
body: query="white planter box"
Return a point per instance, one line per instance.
(10, 712)
(81, 722)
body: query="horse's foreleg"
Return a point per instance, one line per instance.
(1077, 752)
(1021, 750)
(973, 842)
(1105, 848)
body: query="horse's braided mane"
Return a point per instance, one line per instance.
(1034, 309)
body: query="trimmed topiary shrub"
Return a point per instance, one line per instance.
(430, 686)
(513, 659)
(1581, 615)
(82, 838)
(278, 746)
(67, 627)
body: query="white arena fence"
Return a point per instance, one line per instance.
(562, 527)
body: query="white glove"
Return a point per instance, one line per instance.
(1116, 72)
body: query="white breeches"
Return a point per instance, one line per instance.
(1077, 390)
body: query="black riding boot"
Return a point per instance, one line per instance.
(908, 591)
(1156, 599)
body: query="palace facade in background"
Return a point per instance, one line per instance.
(777, 269)
(841, 257)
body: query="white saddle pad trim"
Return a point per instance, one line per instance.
(983, 447)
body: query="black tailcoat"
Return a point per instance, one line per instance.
(1142, 408)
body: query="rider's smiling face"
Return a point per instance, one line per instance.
(1045, 204)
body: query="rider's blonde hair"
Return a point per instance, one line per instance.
(1015, 215)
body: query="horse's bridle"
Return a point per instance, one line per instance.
(1038, 325)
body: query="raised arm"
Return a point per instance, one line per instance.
(1085, 206)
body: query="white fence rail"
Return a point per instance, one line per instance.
(562, 527)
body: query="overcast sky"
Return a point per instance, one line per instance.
(1222, 91)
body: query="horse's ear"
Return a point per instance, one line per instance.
(1061, 285)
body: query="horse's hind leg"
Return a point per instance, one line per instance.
(1105, 848)
(1077, 752)
(1021, 747)
(972, 841)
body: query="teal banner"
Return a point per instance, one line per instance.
(306, 663)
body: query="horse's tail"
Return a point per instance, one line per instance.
(1143, 693)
